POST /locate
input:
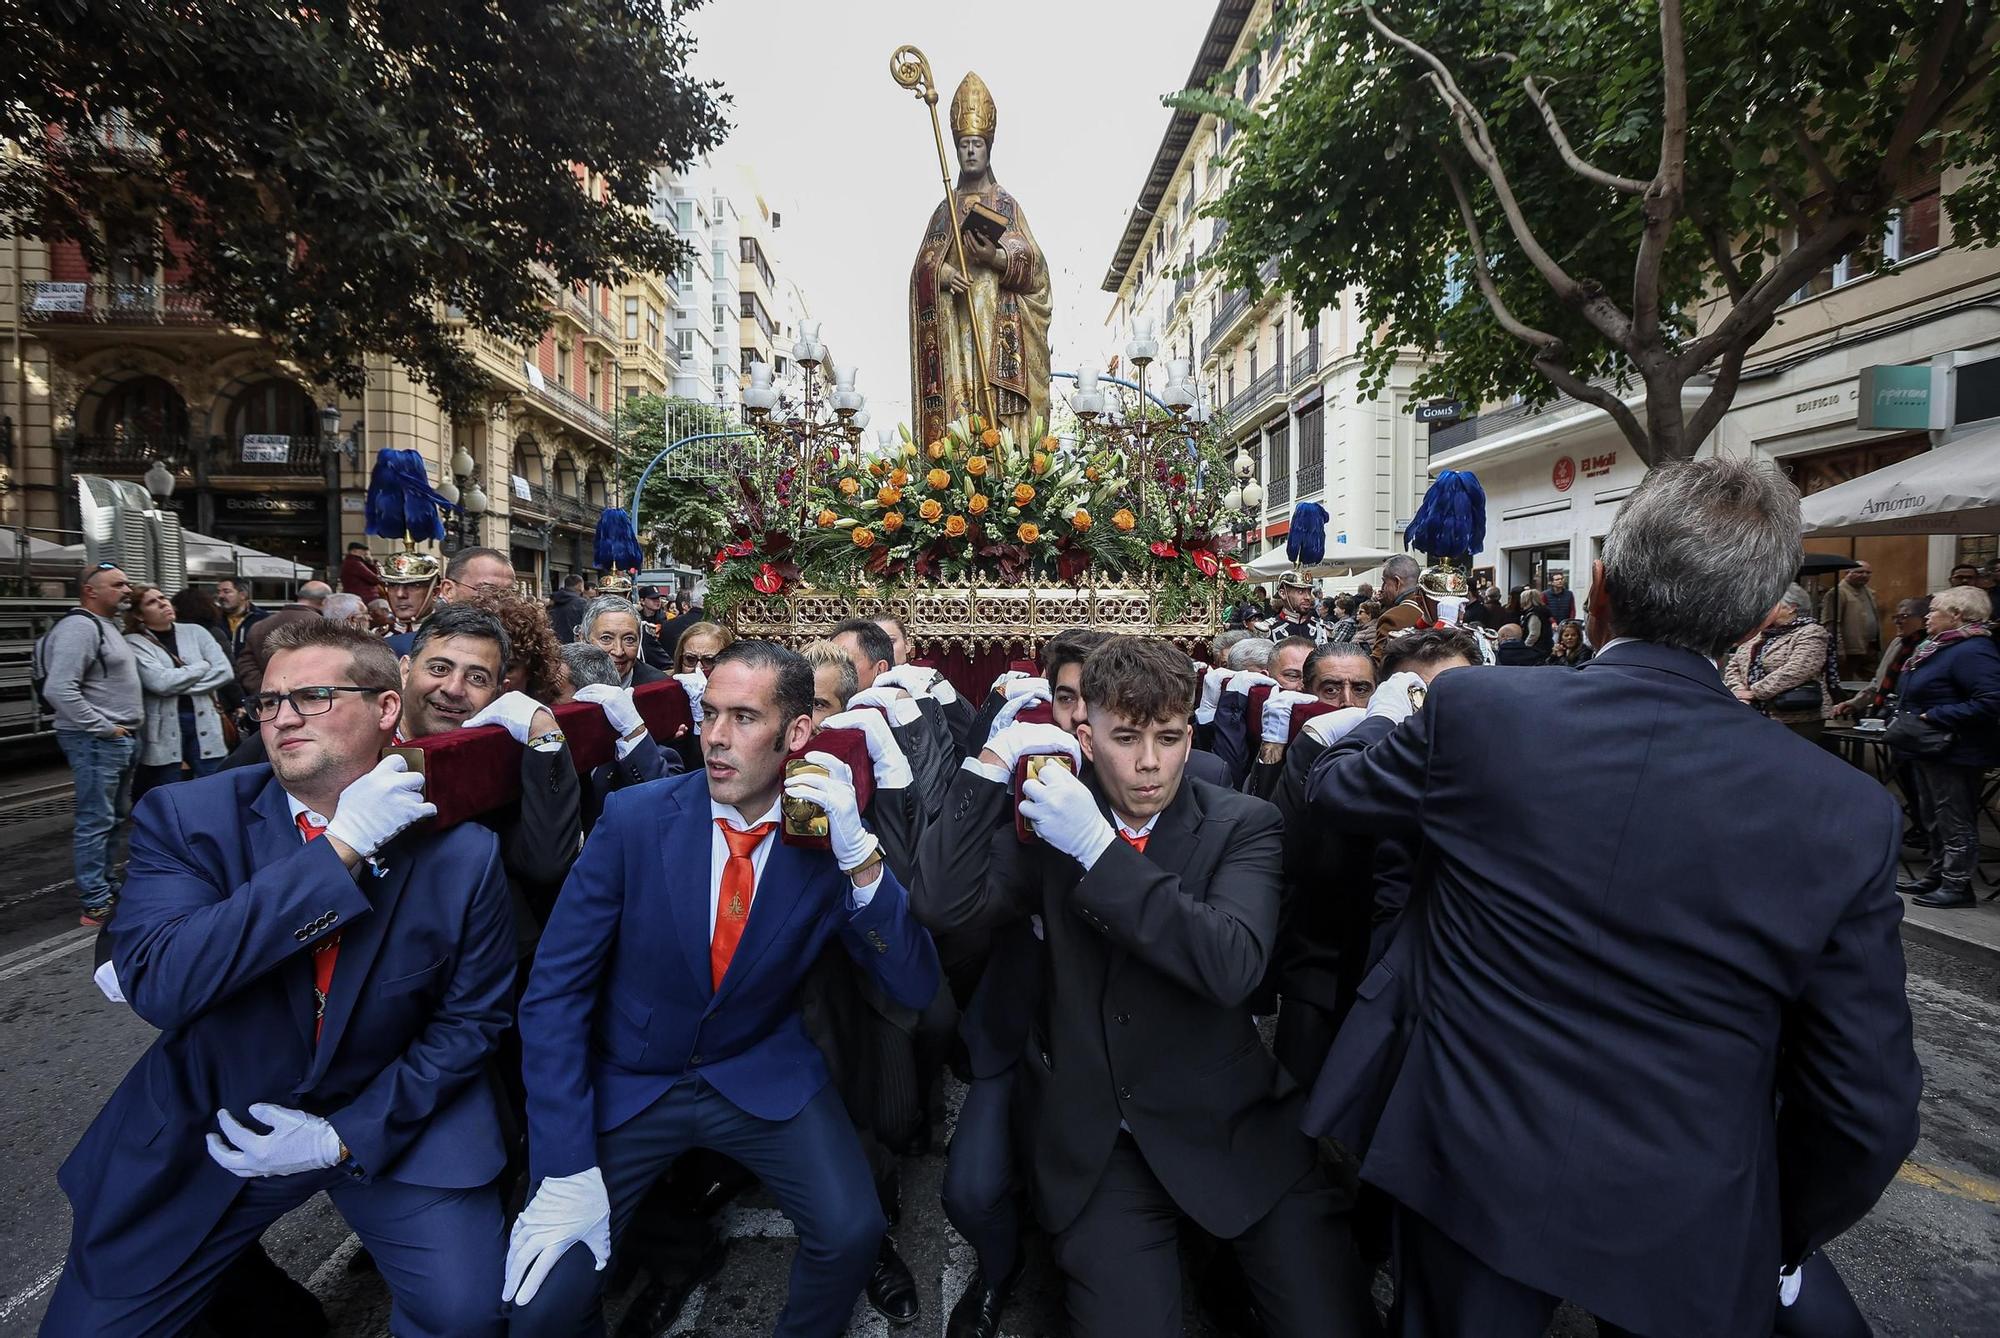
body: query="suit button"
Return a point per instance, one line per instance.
(1124, 1019)
(694, 1059)
(1124, 1094)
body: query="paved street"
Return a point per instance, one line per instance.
(1926, 1262)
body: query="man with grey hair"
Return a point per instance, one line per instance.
(1562, 1071)
(345, 608)
(1399, 588)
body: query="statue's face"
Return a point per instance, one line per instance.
(972, 154)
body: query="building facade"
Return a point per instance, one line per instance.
(1285, 382)
(1554, 477)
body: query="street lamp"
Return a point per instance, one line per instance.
(160, 481)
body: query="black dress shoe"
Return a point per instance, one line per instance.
(1915, 887)
(656, 1307)
(977, 1314)
(1941, 900)
(891, 1289)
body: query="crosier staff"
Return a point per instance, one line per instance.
(910, 69)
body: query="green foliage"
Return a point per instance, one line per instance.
(341, 174)
(1797, 111)
(688, 518)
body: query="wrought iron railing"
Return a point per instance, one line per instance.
(131, 453)
(1306, 361)
(568, 404)
(1311, 478)
(1267, 384)
(99, 303)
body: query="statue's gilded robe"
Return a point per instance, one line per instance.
(1012, 310)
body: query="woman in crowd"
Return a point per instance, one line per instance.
(536, 664)
(1787, 671)
(1538, 631)
(611, 623)
(1570, 647)
(1909, 621)
(1951, 685)
(695, 652)
(180, 668)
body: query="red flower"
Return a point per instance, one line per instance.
(1204, 562)
(767, 581)
(1163, 549)
(732, 551)
(1178, 481)
(1234, 568)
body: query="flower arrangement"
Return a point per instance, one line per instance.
(979, 507)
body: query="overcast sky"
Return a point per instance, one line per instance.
(847, 156)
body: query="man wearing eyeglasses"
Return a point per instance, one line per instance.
(331, 987)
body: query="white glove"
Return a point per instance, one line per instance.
(105, 978)
(513, 711)
(567, 1209)
(834, 792)
(1789, 1281)
(1016, 741)
(1065, 814)
(1034, 691)
(1278, 713)
(1332, 727)
(882, 696)
(1392, 697)
(297, 1142)
(942, 691)
(892, 769)
(616, 703)
(1245, 679)
(694, 683)
(913, 679)
(1000, 683)
(377, 807)
(1211, 692)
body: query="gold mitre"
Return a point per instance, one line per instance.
(972, 109)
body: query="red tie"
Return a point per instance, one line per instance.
(739, 884)
(1137, 843)
(325, 952)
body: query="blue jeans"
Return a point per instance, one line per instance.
(103, 770)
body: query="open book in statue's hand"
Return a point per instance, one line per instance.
(984, 222)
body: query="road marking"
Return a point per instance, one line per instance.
(24, 960)
(21, 898)
(1958, 1184)
(15, 1303)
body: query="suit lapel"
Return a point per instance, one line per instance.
(275, 836)
(360, 943)
(787, 875)
(685, 860)
(1176, 836)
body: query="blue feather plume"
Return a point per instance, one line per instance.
(1305, 541)
(617, 542)
(401, 503)
(1451, 520)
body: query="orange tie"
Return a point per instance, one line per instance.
(1137, 843)
(739, 884)
(325, 952)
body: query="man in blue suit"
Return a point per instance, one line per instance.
(330, 991)
(662, 1010)
(1648, 1071)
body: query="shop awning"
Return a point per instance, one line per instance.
(1341, 559)
(1954, 489)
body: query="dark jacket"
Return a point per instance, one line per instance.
(250, 660)
(566, 608)
(1958, 688)
(1514, 653)
(1568, 1057)
(1144, 1017)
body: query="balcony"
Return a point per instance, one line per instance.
(558, 507)
(1268, 384)
(1305, 362)
(129, 454)
(638, 353)
(1312, 478)
(1185, 285)
(595, 323)
(101, 303)
(1278, 495)
(569, 405)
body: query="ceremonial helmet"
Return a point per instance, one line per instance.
(617, 583)
(409, 567)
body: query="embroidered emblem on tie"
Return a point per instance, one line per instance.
(325, 952)
(739, 887)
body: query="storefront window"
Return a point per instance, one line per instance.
(1534, 566)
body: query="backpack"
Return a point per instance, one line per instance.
(39, 670)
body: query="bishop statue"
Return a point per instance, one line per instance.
(1003, 291)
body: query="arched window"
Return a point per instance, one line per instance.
(565, 485)
(528, 460)
(273, 406)
(146, 407)
(593, 487)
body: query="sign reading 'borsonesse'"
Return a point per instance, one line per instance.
(266, 449)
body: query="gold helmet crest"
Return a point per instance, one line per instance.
(972, 109)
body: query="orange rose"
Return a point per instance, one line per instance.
(990, 438)
(1050, 443)
(1090, 472)
(936, 450)
(826, 518)
(892, 521)
(878, 467)
(1080, 521)
(848, 487)
(888, 494)
(976, 466)
(976, 504)
(931, 509)
(939, 479)
(1041, 463)
(1028, 533)
(1024, 493)
(954, 526)
(863, 537)
(1124, 519)
(899, 476)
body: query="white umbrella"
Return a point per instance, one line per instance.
(1954, 489)
(1340, 559)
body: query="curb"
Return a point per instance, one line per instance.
(1959, 944)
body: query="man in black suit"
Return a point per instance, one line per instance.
(1647, 1073)
(1152, 1095)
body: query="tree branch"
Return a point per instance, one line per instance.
(1669, 184)
(1482, 274)
(1725, 260)
(1829, 181)
(1754, 310)
(1536, 95)
(1721, 393)
(1574, 386)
